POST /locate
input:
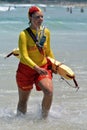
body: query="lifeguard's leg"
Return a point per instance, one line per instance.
(22, 103)
(47, 88)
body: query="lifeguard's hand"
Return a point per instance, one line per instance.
(40, 70)
(54, 71)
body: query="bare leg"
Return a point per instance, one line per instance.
(22, 104)
(46, 104)
(47, 88)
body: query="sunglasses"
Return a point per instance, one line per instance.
(38, 16)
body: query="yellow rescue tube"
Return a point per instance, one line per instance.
(61, 69)
(57, 66)
(14, 52)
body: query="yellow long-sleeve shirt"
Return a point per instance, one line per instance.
(29, 52)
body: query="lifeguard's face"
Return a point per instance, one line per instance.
(37, 19)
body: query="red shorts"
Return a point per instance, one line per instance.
(27, 76)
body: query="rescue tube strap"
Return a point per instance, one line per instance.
(9, 55)
(35, 39)
(75, 82)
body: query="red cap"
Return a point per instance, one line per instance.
(33, 9)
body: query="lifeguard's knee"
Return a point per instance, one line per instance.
(46, 86)
(48, 92)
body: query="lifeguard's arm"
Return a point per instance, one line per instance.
(49, 51)
(23, 50)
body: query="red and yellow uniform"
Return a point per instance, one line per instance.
(31, 56)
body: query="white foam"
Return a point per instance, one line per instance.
(6, 8)
(6, 112)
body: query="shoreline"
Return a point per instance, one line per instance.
(75, 4)
(69, 4)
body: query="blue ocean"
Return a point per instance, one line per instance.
(69, 44)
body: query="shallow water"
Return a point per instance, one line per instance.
(68, 41)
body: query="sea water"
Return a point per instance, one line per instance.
(69, 44)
